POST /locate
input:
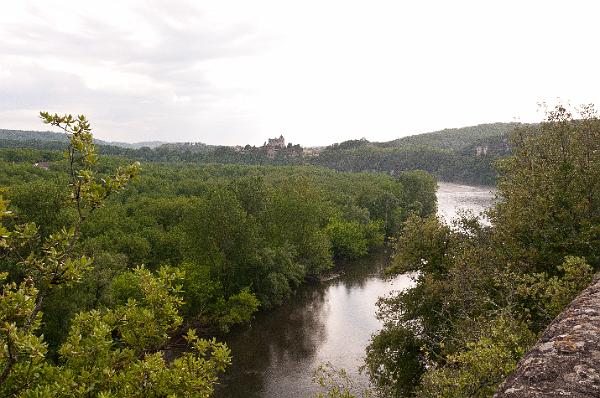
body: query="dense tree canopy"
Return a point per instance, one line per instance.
(461, 155)
(483, 293)
(108, 352)
(183, 245)
(219, 241)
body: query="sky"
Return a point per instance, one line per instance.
(237, 72)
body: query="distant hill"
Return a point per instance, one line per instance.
(135, 145)
(22, 135)
(50, 136)
(455, 139)
(462, 154)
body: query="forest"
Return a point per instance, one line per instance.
(484, 293)
(463, 155)
(107, 263)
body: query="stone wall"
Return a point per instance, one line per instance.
(565, 361)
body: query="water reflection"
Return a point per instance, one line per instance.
(324, 322)
(330, 321)
(454, 198)
(276, 339)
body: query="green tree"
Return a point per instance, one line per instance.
(550, 190)
(482, 293)
(347, 238)
(477, 370)
(109, 353)
(337, 383)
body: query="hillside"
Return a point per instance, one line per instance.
(459, 155)
(463, 155)
(456, 139)
(50, 136)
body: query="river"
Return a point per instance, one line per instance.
(331, 321)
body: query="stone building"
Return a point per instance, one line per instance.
(276, 143)
(481, 150)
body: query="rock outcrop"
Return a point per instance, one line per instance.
(565, 362)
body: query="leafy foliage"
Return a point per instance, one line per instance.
(482, 365)
(483, 293)
(350, 239)
(551, 191)
(462, 155)
(108, 352)
(218, 243)
(336, 383)
(231, 228)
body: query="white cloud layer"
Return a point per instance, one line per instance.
(236, 72)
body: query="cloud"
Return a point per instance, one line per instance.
(144, 71)
(236, 72)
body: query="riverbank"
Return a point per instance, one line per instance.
(330, 321)
(326, 321)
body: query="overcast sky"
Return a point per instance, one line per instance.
(237, 72)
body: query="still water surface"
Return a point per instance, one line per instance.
(454, 198)
(328, 321)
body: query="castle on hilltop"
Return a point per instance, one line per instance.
(276, 143)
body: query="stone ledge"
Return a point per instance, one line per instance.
(565, 361)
